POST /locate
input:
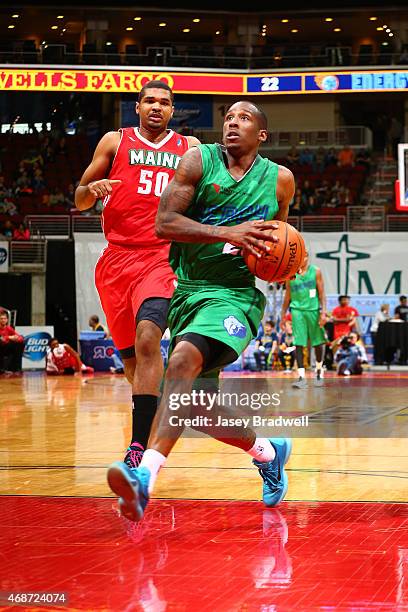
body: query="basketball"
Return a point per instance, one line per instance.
(284, 258)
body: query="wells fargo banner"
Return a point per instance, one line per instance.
(122, 81)
(112, 81)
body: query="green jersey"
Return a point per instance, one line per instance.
(220, 199)
(303, 291)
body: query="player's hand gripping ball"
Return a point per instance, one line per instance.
(284, 258)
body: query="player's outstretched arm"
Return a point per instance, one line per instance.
(173, 224)
(285, 190)
(94, 184)
(322, 296)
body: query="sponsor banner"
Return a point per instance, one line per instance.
(127, 81)
(328, 82)
(361, 262)
(115, 81)
(4, 256)
(35, 345)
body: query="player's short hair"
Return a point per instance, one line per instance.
(51, 340)
(271, 323)
(94, 318)
(259, 113)
(403, 297)
(343, 296)
(155, 85)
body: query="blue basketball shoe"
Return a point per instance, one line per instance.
(132, 488)
(275, 480)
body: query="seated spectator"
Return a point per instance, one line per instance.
(363, 158)
(348, 358)
(320, 160)
(95, 325)
(307, 190)
(344, 317)
(56, 198)
(11, 346)
(265, 346)
(331, 157)
(323, 192)
(297, 206)
(293, 156)
(355, 340)
(62, 359)
(8, 207)
(307, 157)
(402, 309)
(286, 351)
(38, 180)
(7, 229)
(346, 156)
(21, 232)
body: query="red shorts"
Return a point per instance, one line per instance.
(125, 278)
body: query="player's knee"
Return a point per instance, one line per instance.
(182, 365)
(147, 345)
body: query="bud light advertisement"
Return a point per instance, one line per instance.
(35, 345)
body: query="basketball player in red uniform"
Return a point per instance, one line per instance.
(130, 169)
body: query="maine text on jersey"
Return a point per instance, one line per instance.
(153, 158)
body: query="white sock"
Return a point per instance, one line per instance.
(301, 372)
(262, 450)
(319, 367)
(153, 461)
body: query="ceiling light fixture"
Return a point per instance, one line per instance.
(137, 19)
(285, 20)
(329, 19)
(373, 18)
(60, 16)
(129, 29)
(15, 16)
(10, 27)
(162, 24)
(218, 32)
(294, 31)
(196, 20)
(337, 30)
(186, 30)
(54, 27)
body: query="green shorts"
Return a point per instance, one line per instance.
(306, 328)
(229, 314)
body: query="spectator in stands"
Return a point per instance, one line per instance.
(95, 325)
(307, 157)
(265, 346)
(292, 156)
(323, 193)
(57, 198)
(297, 206)
(11, 346)
(363, 158)
(346, 156)
(8, 207)
(286, 351)
(307, 190)
(62, 359)
(344, 317)
(348, 358)
(21, 232)
(69, 198)
(320, 160)
(331, 157)
(402, 309)
(38, 179)
(8, 228)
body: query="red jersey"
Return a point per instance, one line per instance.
(7, 331)
(145, 169)
(343, 312)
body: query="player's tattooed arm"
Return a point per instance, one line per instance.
(94, 183)
(173, 224)
(285, 190)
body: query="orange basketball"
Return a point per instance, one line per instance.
(283, 259)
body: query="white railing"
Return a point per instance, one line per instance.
(49, 226)
(323, 223)
(86, 224)
(366, 218)
(28, 255)
(397, 223)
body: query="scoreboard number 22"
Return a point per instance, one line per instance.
(270, 84)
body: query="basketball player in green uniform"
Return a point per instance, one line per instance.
(307, 299)
(220, 201)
